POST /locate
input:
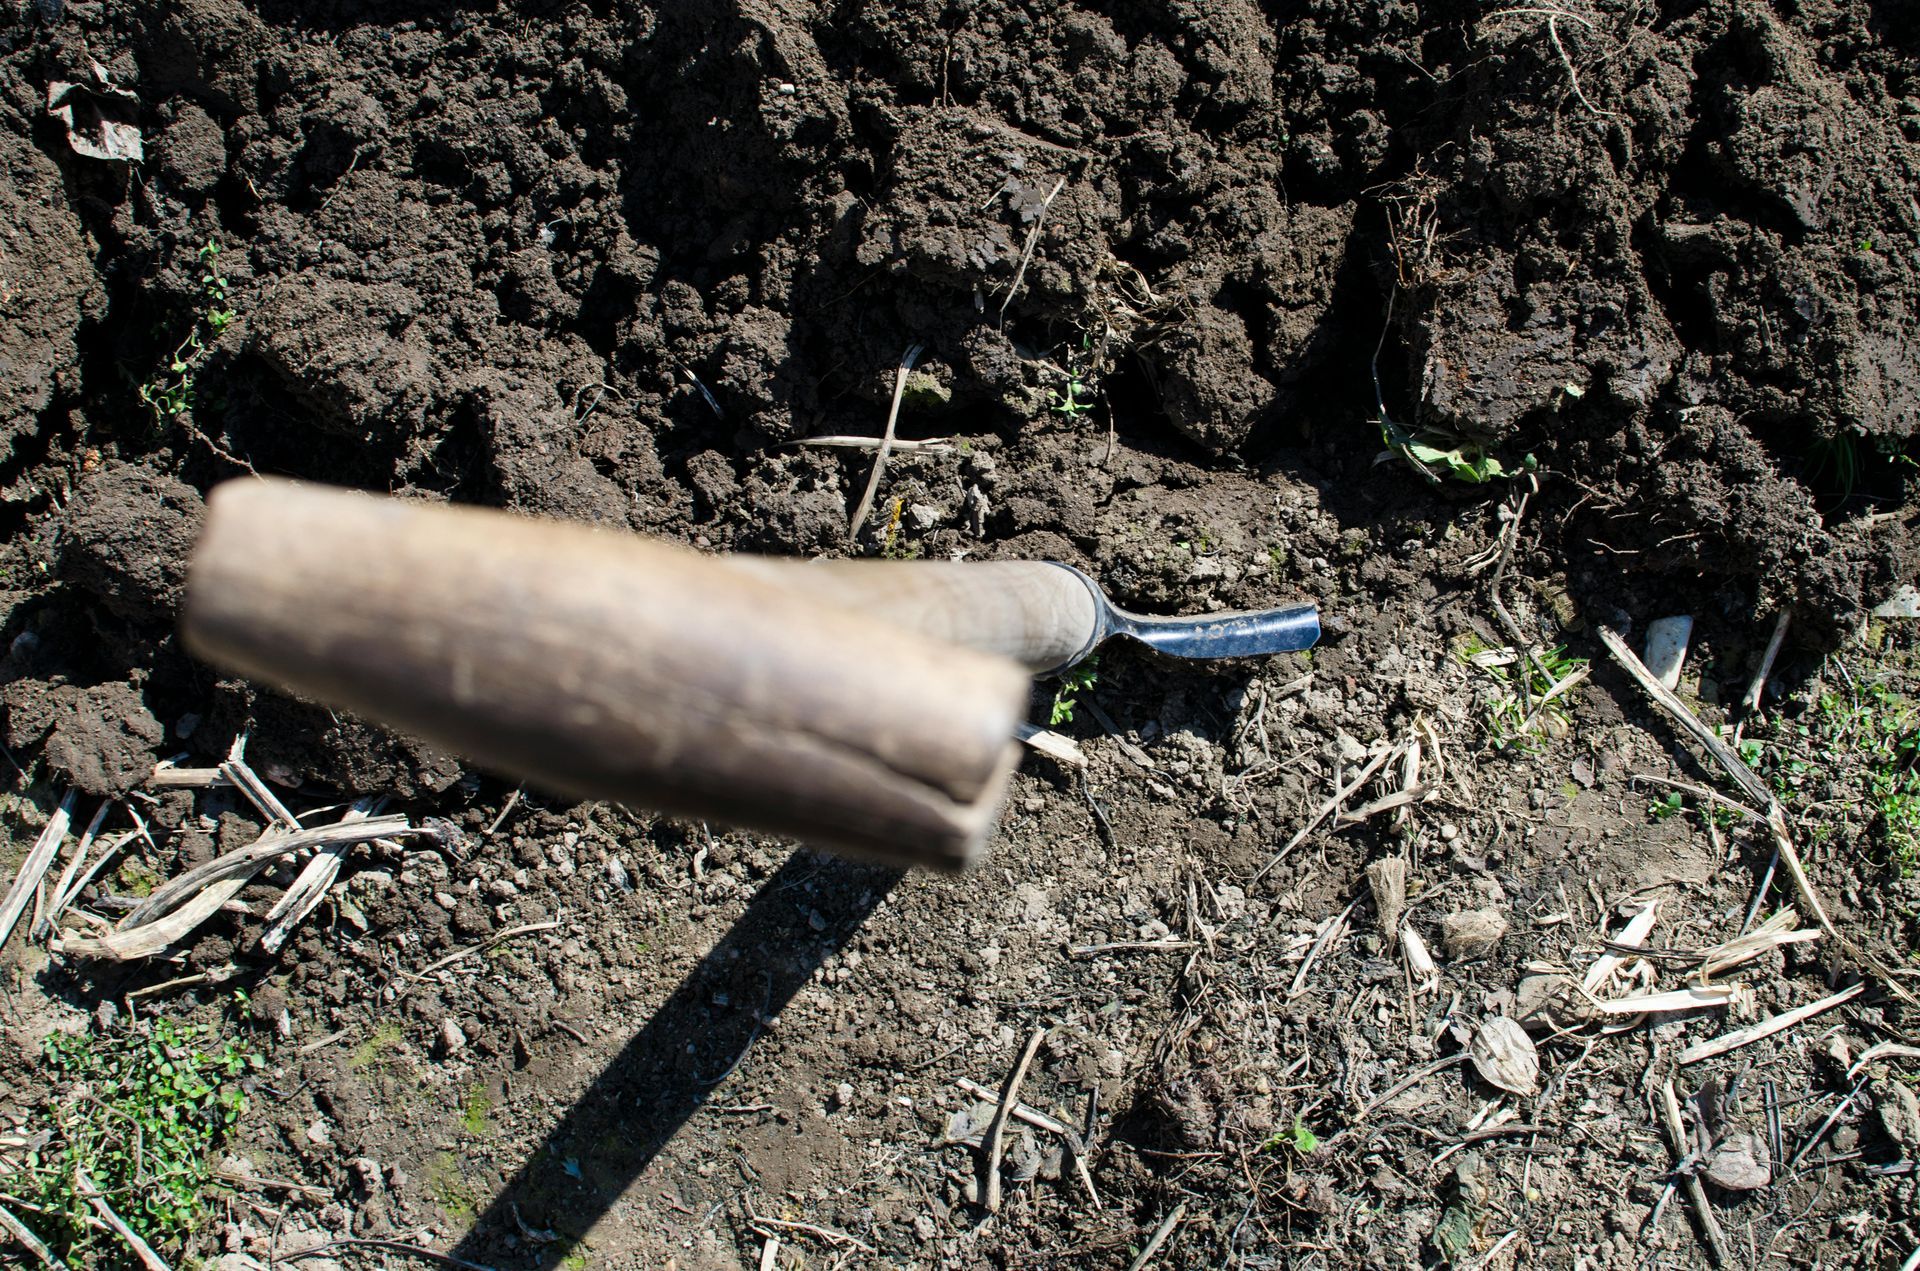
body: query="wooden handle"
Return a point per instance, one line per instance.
(1041, 615)
(608, 666)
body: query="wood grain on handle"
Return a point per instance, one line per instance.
(1036, 613)
(604, 665)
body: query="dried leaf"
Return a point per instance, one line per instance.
(1739, 1163)
(1503, 1054)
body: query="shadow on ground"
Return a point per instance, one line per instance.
(801, 916)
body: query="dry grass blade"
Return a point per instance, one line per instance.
(885, 447)
(141, 1250)
(311, 887)
(1755, 789)
(180, 905)
(34, 868)
(1768, 1027)
(42, 924)
(1771, 934)
(1327, 809)
(27, 1240)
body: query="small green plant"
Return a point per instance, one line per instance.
(1079, 680)
(1521, 721)
(138, 1116)
(1081, 389)
(1437, 454)
(1299, 1136)
(171, 395)
(1665, 806)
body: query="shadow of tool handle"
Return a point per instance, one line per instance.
(697, 1038)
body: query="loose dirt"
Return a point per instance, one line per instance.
(1218, 304)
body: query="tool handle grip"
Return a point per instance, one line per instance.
(604, 665)
(1043, 616)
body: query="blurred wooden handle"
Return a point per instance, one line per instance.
(1041, 615)
(604, 665)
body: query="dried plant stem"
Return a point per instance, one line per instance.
(994, 1144)
(885, 447)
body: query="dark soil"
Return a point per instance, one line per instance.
(608, 263)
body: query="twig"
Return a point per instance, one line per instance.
(271, 1184)
(33, 1244)
(141, 1250)
(1026, 253)
(904, 445)
(1022, 1112)
(1326, 809)
(1755, 789)
(1335, 929)
(1401, 1086)
(832, 1237)
(1128, 946)
(392, 1246)
(1813, 1140)
(498, 937)
(995, 1142)
(506, 810)
(770, 1254)
(907, 360)
(1159, 1237)
(1716, 1239)
(1751, 698)
(34, 868)
(1768, 1027)
(321, 1043)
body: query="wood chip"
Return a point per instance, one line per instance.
(1053, 745)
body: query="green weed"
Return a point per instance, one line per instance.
(1437, 454)
(139, 1116)
(1511, 722)
(1082, 387)
(1079, 680)
(171, 394)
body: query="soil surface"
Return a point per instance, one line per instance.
(1484, 327)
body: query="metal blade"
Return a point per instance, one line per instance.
(1224, 635)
